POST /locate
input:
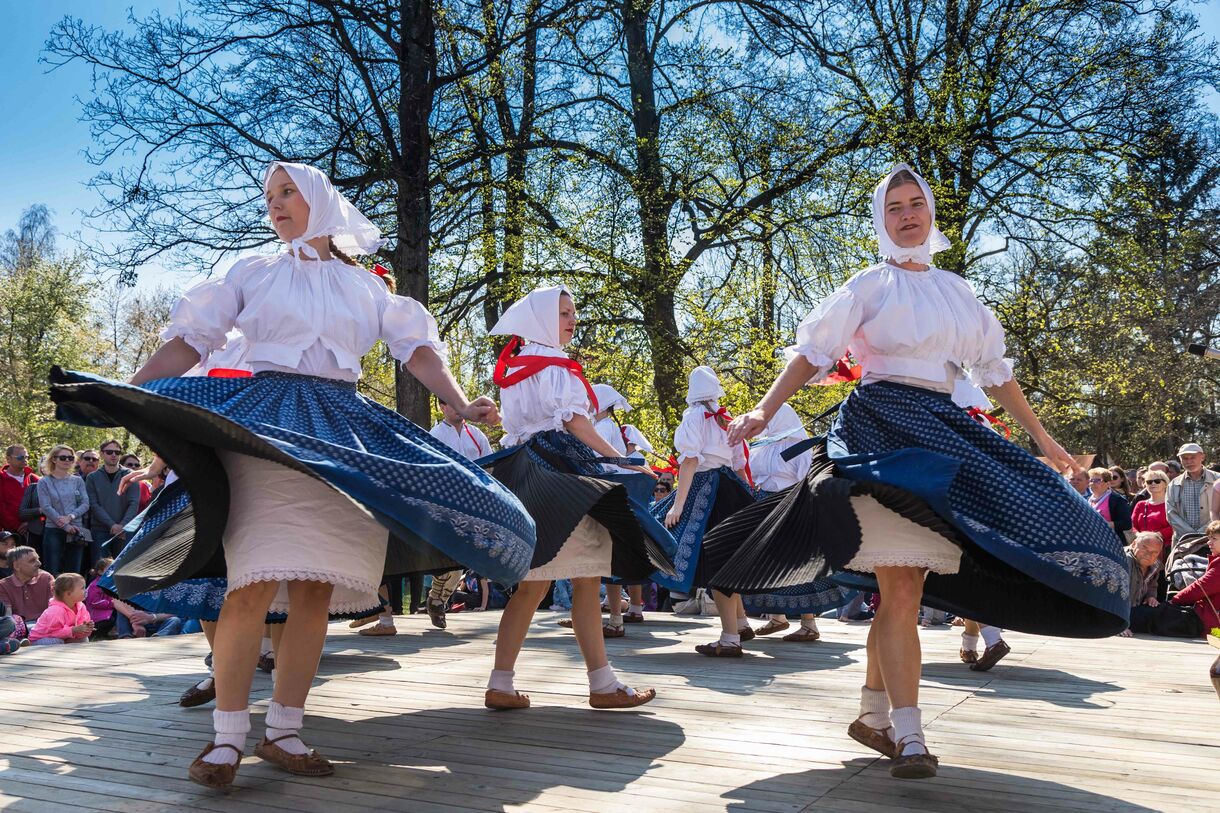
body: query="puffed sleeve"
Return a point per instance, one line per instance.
(561, 396)
(688, 437)
(989, 368)
(407, 326)
(823, 336)
(207, 312)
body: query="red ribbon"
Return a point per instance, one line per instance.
(976, 413)
(380, 270)
(846, 370)
(527, 366)
(724, 415)
(228, 372)
(473, 439)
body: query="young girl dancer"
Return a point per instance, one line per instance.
(303, 479)
(902, 489)
(712, 485)
(587, 527)
(772, 475)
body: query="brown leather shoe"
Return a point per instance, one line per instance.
(503, 701)
(913, 766)
(566, 623)
(612, 631)
(195, 696)
(991, 656)
(217, 777)
(772, 625)
(633, 618)
(804, 635)
(719, 650)
(360, 622)
(876, 738)
(968, 655)
(266, 662)
(621, 699)
(311, 764)
(746, 634)
(377, 629)
(436, 613)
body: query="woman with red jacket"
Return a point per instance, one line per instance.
(1204, 593)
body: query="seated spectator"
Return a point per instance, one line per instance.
(66, 620)
(1150, 514)
(8, 541)
(132, 622)
(1204, 594)
(15, 476)
(1144, 569)
(29, 590)
(1107, 502)
(101, 606)
(9, 642)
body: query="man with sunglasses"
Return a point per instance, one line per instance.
(14, 479)
(109, 510)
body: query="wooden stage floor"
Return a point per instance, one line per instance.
(1113, 725)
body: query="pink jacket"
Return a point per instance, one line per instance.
(58, 620)
(100, 605)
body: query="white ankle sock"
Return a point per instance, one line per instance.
(970, 642)
(604, 681)
(907, 726)
(783, 619)
(743, 624)
(231, 729)
(265, 648)
(286, 721)
(730, 638)
(992, 635)
(501, 680)
(616, 616)
(635, 608)
(385, 620)
(875, 708)
(810, 624)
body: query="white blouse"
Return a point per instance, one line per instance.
(611, 433)
(543, 401)
(771, 472)
(702, 438)
(913, 327)
(457, 439)
(318, 320)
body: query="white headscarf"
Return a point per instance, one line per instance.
(329, 213)
(890, 250)
(635, 436)
(703, 385)
(534, 317)
(787, 424)
(610, 398)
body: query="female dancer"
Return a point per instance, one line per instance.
(899, 491)
(712, 485)
(587, 528)
(772, 475)
(302, 478)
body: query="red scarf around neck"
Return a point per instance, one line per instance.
(525, 366)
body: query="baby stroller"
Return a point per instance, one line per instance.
(1187, 561)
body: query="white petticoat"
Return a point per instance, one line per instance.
(287, 526)
(585, 553)
(890, 540)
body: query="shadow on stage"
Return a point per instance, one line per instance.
(1053, 686)
(758, 667)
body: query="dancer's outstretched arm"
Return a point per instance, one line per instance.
(795, 375)
(172, 359)
(686, 473)
(583, 430)
(431, 371)
(1012, 399)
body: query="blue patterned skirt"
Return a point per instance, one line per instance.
(558, 479)
(712, 496)
(811, 598)
(200, 599)
(440, 510)
(1035, 557)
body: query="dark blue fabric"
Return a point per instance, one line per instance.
(416, 486)
(813, 597)
(997, 495)
(692, 525)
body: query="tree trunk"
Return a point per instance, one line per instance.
(417, 67)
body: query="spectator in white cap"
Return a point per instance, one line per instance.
(1191, 494)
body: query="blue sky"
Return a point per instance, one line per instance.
(42, 141)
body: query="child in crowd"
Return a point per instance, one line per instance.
(99, 604)
(66, 619)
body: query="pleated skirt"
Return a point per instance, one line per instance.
(713, 496)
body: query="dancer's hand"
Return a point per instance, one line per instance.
(149, 472)
(643, 470)
(747, 426)
(673, 515)
(1057, 456)
(482, 410)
